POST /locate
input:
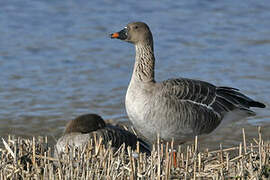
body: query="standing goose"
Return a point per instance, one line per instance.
(79, 131)
(176, 108)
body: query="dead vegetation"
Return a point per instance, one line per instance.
(33, 159)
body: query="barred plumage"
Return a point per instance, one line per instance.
(177, 108)
(81, 130)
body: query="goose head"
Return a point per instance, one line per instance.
(85, 124)
(135, 32)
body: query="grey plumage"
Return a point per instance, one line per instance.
(82, 129)
(176, 108)
(118, 136)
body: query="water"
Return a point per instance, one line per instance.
(57, 61)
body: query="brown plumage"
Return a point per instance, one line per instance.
(82, 129)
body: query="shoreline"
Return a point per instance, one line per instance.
(33, 158)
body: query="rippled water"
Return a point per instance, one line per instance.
(57, 61)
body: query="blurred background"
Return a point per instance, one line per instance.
(57, 60)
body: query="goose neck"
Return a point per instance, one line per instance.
(144, 63)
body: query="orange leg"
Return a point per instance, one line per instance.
(174, 159)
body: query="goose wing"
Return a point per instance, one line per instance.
(119, 136)
(218, 99)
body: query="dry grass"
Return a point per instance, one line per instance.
(33, 159)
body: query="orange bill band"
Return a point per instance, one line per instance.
(115, 35)
(122, 35)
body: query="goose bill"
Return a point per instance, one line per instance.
(120, 35)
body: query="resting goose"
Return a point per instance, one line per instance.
(79, 131)
(176, 108)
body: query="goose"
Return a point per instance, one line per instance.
(82, 129)
(178, 109)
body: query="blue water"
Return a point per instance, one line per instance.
(57, 60)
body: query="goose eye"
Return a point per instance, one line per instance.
(136, 27)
